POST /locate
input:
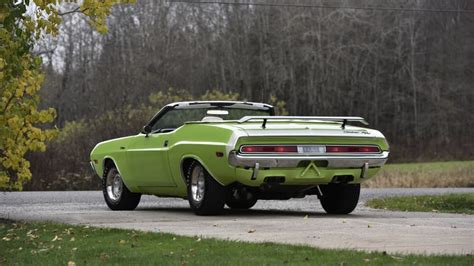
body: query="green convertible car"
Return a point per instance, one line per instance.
(217, 153)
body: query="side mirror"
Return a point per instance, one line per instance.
(146, 130)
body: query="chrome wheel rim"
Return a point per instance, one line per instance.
(197, 184)
(114, 185)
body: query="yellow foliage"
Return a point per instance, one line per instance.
(21, 79)
(280, 106)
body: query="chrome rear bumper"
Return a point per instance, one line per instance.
(334, 161)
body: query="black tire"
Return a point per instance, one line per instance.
(123, 199)
(208, 197)
(240, 201)
(241, 204)
(339, 198)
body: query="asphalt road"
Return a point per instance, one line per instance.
(297, 221)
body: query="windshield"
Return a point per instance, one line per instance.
(177, 117)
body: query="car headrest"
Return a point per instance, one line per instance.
(212, 119)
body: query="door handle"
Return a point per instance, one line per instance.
(165, 144)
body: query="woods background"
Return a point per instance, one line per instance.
(410, 74)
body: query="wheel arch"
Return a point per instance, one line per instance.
(186, 161)
(109, 162)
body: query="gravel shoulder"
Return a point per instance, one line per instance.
(297, 221)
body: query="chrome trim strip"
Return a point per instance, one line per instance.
(335, 161)
(321, 118)
(93, 168)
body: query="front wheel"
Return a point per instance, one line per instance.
(339, 198)
(116, 194)
(205, 195)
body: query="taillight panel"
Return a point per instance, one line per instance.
(309, 149)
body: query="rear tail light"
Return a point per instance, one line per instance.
(352, 149)
(269, 149)
(307, 149)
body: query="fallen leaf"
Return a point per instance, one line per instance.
(56, 238)
(69, 231)
(74, 249)
(174, 238)
(368, 226)
(251, 231)
(343, 221)
(20, 248)
(305, 217)
(72, 239)
(87, 227)
(71, 263)
(31, 235)
(104, 256)
(198, 240)
(122, 241)
(6, 239)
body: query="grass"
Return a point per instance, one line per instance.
(57, 244)
(437, 174)
(452, 203)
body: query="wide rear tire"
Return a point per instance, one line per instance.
(339, 198)
(243, 200)
(116, 194)
(205, 195)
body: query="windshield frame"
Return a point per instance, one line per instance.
(209, 105)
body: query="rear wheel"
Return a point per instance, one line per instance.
(205, 195)
(340, 198)
(240, 200)
(116, 194)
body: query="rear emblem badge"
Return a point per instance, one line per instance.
(311, 165)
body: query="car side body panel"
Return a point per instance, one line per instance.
(111, 150)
